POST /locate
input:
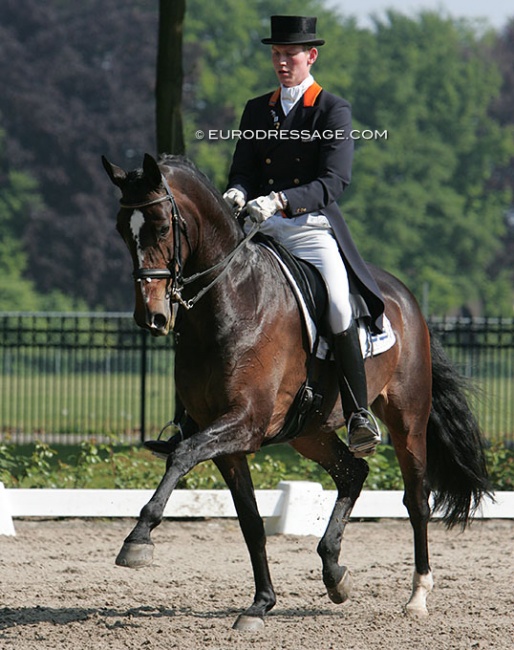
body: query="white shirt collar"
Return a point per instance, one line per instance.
(289, 96)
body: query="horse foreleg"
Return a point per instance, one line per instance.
(349, 474)
(226, 436)
(236, 473)
(137, 550)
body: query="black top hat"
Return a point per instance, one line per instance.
(293, 30)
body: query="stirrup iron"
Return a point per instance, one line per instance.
(363, 433)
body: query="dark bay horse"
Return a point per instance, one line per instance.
(241, 356)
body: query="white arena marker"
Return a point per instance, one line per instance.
(6, 522)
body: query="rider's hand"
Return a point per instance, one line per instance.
(264, 207)
(235, 199)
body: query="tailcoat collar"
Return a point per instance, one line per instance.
(309, 96)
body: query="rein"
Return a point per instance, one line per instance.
(178, 281)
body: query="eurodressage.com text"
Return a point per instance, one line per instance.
(291, 134)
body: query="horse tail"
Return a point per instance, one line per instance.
(456, 466)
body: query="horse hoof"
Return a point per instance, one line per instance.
(135, 556)
(248, 623)
(415, 611)
(341, 591)
(422, 585)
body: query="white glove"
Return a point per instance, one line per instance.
(235, 199)
(264, 207)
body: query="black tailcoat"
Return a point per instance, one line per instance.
(307, 155)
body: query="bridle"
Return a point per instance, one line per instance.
(178, 281)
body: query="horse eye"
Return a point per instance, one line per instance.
(164, 230)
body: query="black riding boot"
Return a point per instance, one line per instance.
(363, 435)
(182, 427)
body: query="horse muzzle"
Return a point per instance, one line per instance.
(159, 321)
(153, 310)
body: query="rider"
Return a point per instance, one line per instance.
(289, 182)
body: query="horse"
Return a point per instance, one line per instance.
(241, 357)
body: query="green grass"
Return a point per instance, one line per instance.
(109, 403)
(86, 403)
(492, 401)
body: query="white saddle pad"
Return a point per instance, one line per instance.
(371, 345)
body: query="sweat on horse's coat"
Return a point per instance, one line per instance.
(242, 354)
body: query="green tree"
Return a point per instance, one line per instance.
(423, 202)
(502, 110)
(18, 196)
(419, 204)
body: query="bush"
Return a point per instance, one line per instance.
(93, 465)
(500, 463)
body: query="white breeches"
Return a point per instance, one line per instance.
(310, 237)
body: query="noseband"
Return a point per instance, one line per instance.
(178, 281)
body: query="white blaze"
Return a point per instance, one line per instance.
(136, 223)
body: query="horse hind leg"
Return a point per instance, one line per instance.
(349, 474)
(407, 428)
(413, 467)
(422, 585)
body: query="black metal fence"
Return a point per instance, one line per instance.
(67, 377)
(482, 349)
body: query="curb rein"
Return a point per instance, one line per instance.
(178, 281)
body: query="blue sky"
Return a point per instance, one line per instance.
(496, 12)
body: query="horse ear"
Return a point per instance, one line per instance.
(115, 173)
(151, 170)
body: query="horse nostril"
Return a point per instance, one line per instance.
(159, 321)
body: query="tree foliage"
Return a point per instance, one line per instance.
(19, 198)
(420, 199)
(424, 203)
(75, 87)
(502, 110)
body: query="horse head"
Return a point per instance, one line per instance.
(145, 222)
